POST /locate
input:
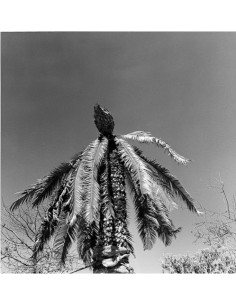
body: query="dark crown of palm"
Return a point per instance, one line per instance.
(75, 195)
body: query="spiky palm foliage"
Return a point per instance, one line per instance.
(88, 199)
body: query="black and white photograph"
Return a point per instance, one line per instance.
(118, 152)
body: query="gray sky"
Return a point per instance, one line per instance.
(178, 86)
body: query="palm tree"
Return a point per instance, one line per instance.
(88, 199)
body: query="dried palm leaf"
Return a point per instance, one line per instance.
(138, 170)
(146, 137)
(47, 185)
(86, 180)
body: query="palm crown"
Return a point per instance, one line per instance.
(88, 195)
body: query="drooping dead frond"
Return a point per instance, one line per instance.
(61, 245)
(46, 230)
(152, 218)
(160, 195)
(170, 185)
(55, 216)
(146, 137)
(44, 188)
(166, 230)
(129, 241)
(45, 233)
(60, 233)
(86, 240)
(146, 222)
(64, 242)
(86, 184)
(138, 170)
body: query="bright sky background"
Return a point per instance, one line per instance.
(178, 86)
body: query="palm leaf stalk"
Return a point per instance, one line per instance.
(88, 198)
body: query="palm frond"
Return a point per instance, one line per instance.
(152, 217)
(138, 170)
(65, 234)
(129, 240)
(86, 240)
(49, 224)
(166, 230)
(47, 185)
(161, 196)
(86, 184)
(70, 235)
(46, 231)
(170, 185)
(145, 212)
(66, 201)
(146, 137)
(53, 223)
(76, 159)
(60, 234)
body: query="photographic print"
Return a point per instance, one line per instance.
(118, 152)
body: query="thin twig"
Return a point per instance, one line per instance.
(81, 269)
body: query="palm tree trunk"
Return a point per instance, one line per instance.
(112, 252)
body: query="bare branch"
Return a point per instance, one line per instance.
(19, 261)
(18, 237)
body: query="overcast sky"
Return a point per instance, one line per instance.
(178, 86)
